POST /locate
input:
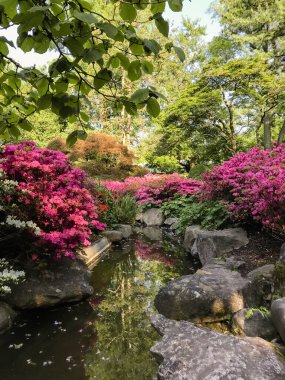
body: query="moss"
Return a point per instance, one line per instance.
(278, 280)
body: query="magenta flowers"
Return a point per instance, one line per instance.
(51, 195)
(155, 189)
(253, 185)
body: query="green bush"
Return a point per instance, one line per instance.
(211, 215)
(121, 209)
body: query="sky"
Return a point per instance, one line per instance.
(196, 9)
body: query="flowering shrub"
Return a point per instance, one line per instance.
(43, 194)
(253, 186)
(154, 189)
(9, 276)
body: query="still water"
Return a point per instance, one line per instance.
(107, 337)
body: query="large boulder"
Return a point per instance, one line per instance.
(113, 235)
(50, 283)
(153, 217)
(125, 229)
(188, 352)
(7, 315)
(212, 294)
(190, 235)
(254, 322)
(153, 233)
(278, 316)
(211, 244)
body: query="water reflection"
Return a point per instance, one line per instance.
(106, 338)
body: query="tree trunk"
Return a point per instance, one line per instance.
(232, 129)
(267, 123)
(281, 133)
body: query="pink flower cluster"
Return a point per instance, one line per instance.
(154, 188)
(253, 185)
(53, 196)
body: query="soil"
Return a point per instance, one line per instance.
(263, 248)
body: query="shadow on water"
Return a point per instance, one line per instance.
(107, 337)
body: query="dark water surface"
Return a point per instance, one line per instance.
(107, 337)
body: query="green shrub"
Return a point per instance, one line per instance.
(175, 207)
(211, 215)
(121, 209)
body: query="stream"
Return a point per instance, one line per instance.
(107, 337)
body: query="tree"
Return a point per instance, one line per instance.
(258, 25)
(90, 46)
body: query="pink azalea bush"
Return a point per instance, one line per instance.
(253, 186)
(154, 189)
(49, 199)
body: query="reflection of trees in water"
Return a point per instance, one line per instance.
(124, 331)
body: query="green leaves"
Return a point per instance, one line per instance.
(157, 6)
(162, 25)
(89, 18)
(134, 70)
(140, 95)
(10, 7)
(102, 77)
(74, 136)
(180, 53)
(128, 12)
(175, 5)
(74, 46)
(109, 29)
(153, 107)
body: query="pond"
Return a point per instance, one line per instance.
(107, 337)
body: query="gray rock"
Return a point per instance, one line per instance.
(187, 352)
(125, 229)
(7, 315)
(139, 217)
(213, 293)
(211, 244)
(152, 233)
(190, 235)
(254, 322)
(174, 226)
(262, 278)
(153, 217)
(230, 263)
(113, 235)
(265, 272)
(282, 254)
(170, 221)
(50, 283)
(278, 316)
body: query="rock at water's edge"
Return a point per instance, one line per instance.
(153, 217)
(212, 294)
(7, 315)
(211, 244)
(187, 352)
(50, 283)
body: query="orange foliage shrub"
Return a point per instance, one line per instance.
(97, 147)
